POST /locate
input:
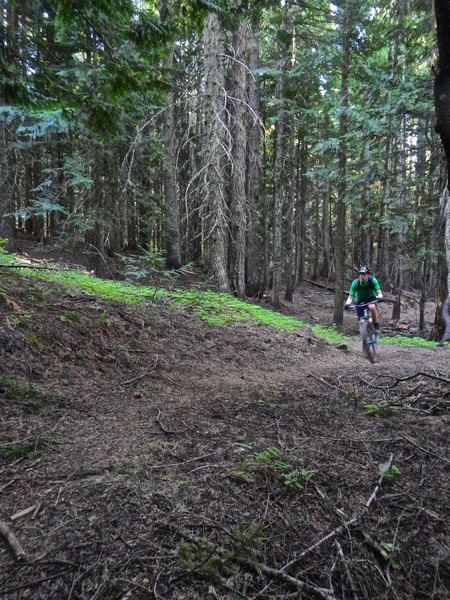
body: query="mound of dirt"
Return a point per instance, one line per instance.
(146, 454)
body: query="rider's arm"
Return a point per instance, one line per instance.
(378, 292)
(350, 300)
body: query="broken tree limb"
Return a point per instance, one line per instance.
(23, 513)
(355, 519)
(259, 567)
(34, 267)
(347, 570)
(157, 419)
(12, 541)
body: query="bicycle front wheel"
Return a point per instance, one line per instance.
(371, 344)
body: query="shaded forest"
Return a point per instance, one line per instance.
(262, 142)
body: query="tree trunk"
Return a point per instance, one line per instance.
(302, 186)
(442, 106)
(173, 242)
(213, 155)
(290, 195)
(238, 181)
(340, 237)
(442, 80)
(254, 249)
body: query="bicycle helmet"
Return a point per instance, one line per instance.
(364, 269)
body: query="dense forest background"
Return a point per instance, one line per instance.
(266, 141)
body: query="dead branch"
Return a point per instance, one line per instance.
(34, 267)
(146, 374)
(23, 513)
(347, 570)
(12, 541)
(355, 519)
(168, 430)
(424, 449)
(259, 567)
(321, 285)
(419, 374)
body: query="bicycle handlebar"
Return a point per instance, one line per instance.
(377, 300)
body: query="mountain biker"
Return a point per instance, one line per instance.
(365, 288)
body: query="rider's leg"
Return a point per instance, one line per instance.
(374, 314)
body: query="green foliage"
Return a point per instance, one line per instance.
(328, 333)
(144, 266)
(242, 476)
(389, 472)
(12, 452)
(380, 408)
(24, 394)
(392, 550)
(268, 454)
(200, 557)
(32, 338)
(291, 476)
(212, 307)
(408, 341)
(248, 538)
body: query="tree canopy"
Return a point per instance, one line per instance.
(266, 141)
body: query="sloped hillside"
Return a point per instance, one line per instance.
(147, 454)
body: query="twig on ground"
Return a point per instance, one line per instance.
(24, 512)
(335, 387)
(169, 430)
(12, 541)
(347, 570)
(421, 374)
(405, 437)
(324, 593)
(355, 519)
(146, 374)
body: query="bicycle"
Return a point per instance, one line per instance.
(368, 332)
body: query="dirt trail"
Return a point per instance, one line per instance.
(169, 457)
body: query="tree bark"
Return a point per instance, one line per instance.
(442, 106)
(173, 242)
(238, 181)
(340, 237)
(213, 155)
(254, 248)
(442, 80)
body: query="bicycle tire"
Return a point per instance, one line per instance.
(372, 349)
(369, 348)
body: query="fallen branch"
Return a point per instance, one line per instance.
(34, 267)
(146, 374)
(320, 285)
(23, 513)
(424, 449)
(347, 570)
(169, 430)
(12, 541)
(355, 519)
(259, 567)
(421, 373)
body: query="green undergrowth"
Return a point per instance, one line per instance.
(12, 452)
(21, 393)
(212, 307)
(330, 333)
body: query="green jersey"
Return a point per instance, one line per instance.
(363, 290)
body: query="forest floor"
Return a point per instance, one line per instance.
(162, 457)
